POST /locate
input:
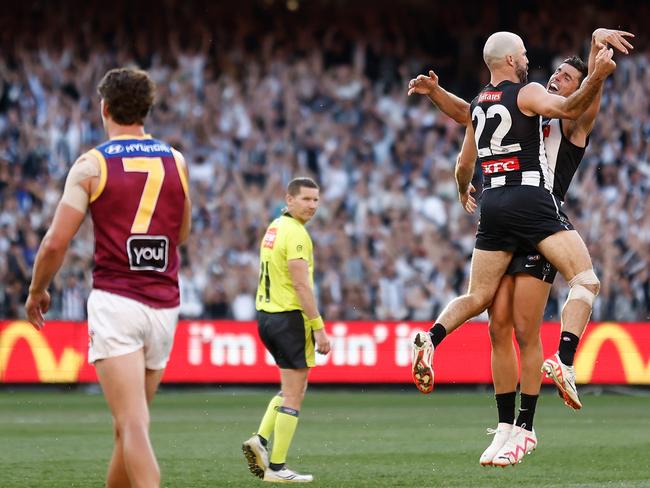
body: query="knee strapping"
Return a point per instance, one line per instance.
(578, 291)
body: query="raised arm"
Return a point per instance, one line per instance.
(465, 170)
(448, 103)
(583, 125)
(533, 99)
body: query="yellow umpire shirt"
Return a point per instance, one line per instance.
(285, 239)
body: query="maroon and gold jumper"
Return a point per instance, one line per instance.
(137, 210)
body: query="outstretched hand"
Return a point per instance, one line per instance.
(615, 38)
(423, 85)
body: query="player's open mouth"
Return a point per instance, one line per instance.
(553, 88)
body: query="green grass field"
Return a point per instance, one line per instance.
(345, 438)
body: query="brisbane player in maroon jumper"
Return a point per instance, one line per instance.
(136, 190)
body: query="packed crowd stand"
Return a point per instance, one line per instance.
(257, 97)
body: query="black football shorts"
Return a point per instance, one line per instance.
(286, 338)
(532, 263)
(515, 217)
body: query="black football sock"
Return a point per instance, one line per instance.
(437, 333)
(527, 411)
(568, 345)
(506, 406)
(276, 466)
(263, 440)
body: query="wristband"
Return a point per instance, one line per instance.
(315, 324)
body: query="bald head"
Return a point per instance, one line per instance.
(499, 45)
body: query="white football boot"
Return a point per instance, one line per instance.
(422, 357)
(520, 443)
(564, 378)
(285, 475)
(256, 455)
(501, 436)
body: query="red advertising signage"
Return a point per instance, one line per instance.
(362, 352)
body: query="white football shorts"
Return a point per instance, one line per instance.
(118, 325)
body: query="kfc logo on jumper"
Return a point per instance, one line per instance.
(500, 165)
(490, 97)
(546, 130)
(269, 238)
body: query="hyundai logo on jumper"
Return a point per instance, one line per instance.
(147, 147)
(148, 253)
(114, 149)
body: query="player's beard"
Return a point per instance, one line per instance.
(522, 72)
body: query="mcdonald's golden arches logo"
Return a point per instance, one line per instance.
(635, 369)
(65, 370)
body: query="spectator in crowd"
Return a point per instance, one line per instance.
(73, 298)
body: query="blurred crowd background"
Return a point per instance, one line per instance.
(257, 92)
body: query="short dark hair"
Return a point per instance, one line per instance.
(294, 186)
(129, 94)
(579, 64)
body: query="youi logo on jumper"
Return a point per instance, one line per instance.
(148, 253)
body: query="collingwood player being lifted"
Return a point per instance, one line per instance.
(523, 292)
(517, 208)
